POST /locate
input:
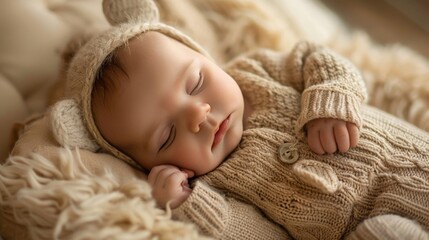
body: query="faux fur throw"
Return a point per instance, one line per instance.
(59, 193)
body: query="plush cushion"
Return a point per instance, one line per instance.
(34, 34)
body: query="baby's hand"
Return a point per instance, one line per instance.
(169, 184)
(327, 135)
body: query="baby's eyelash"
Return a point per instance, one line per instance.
(170, 139)
(199, 84)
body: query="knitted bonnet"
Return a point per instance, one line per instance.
(71, 119)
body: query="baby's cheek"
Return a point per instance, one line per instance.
(233, 138)
(187, 155)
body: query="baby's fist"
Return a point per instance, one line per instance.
(169, 185)
(328, 135)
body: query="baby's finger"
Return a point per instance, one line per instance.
(190, 173)
(313, 138)
(342, 137)
(327, 140)
(159, 173)
(175, 181)
(153, 174)
(353, 134)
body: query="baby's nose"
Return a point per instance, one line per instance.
(197, 114)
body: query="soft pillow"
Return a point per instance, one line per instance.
(34, 34)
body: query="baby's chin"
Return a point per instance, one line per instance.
(216, 163)
(205, 171)
(210, 166)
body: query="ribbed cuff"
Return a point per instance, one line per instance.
(205, 208)
(326, 103)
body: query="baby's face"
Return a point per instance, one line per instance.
(175, 107)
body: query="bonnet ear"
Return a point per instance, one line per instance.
(130, 11)
(68, 127)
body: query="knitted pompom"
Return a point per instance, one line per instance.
(68, 127)
(130, 11)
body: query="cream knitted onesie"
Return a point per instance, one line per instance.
(312, 196)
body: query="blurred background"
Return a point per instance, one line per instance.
(404, 21)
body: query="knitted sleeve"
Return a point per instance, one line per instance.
(333, 87)
(330, 86)
(221, 217)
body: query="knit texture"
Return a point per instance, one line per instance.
(319, 196)
(226, 218)
(67, 126)
(118, 12)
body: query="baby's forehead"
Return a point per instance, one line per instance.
(143, 46)
(148, 39)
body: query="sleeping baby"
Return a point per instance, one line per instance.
(279, 144)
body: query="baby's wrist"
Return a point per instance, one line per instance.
(174, 202)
